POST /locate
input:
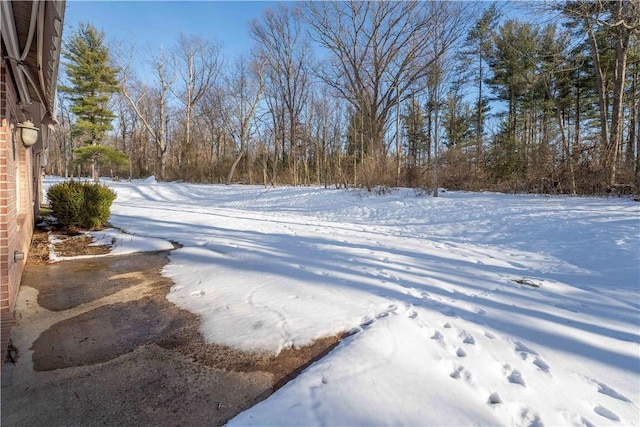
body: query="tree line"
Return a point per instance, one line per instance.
(452, 94)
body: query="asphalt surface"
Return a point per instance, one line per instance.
(99, 344)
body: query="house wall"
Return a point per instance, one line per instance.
(16, 196)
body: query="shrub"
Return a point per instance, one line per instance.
(81, 204)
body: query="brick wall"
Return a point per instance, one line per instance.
(16, 196)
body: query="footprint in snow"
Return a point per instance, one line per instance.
(542, 365)
(494, 399)
(354, 331)
(461, 372)
(489, 335)
(437, 336)
(574, 419)
(197, 293)
(461, 353)
(515, 377)
(467, 338)
(530, 419)
(605, 389)
(447, 325)
(367, 321)
(604, 412)
(524, 350)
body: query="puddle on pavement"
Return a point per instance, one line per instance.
(108, 319)
(115, 305)
(67, 284)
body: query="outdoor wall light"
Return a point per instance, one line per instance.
(27, 133)
(18, 256)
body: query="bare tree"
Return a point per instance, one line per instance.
(378, 48)
(288, 57)
(198, 66)
(154, 120)
(213, 114)
(61, 155)
(246, 86)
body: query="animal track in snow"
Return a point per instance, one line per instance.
(197, 293)
(461, 353)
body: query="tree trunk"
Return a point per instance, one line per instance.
(234, 165)
(479, 113)
(95, 169)
(621, 48)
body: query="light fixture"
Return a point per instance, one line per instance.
(27, 133)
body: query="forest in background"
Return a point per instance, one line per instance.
(422, 94)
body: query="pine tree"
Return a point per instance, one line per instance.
(479, 42)
(92, 82)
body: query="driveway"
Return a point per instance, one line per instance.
(99, 344)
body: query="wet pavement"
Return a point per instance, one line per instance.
(99, 344)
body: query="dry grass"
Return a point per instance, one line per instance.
(68, 243)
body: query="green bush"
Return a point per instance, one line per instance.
(80, 204)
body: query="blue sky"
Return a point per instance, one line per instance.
(159, 23)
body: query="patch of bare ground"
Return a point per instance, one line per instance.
(96, 328)
(67, 242)
(288, 364)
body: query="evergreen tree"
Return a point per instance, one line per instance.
(479, 43)
(610, 29)
(92, 82)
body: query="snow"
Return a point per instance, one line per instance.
(121, 244)
(447, 326)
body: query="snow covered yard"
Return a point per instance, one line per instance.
(446, 327)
